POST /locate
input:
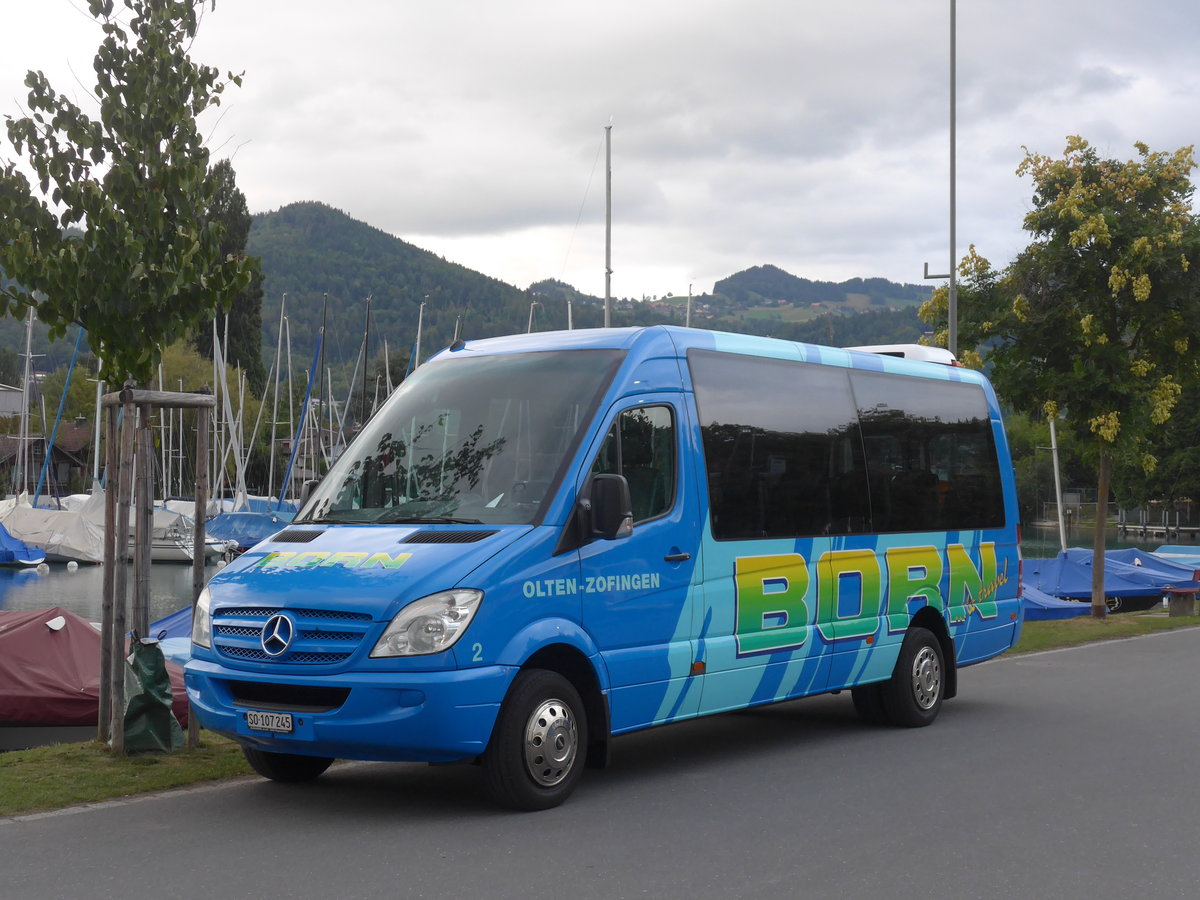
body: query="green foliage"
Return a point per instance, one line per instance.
(1103, 302)
(147, 266)
(10, 367)
(981, 303)
(228, 206)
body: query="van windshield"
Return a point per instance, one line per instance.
(471, 439)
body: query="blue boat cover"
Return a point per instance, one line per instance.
(175, 635)
(15, 552)
(1041, 607)
(1127, 573)
(247, 528)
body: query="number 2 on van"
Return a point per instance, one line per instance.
(544, 541)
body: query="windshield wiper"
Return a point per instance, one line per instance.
(427, 520)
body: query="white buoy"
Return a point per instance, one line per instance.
(72, 566)
(42, 568)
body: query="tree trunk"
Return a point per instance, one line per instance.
(1099, 607)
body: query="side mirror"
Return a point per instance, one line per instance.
(611, 511)
(306, 490)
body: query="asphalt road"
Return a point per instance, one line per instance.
(1065, 774)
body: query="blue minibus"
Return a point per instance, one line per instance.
(545, 540)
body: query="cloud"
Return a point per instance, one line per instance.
(810, 136)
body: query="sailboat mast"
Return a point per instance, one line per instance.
(362, 415)
(23, 451)
(275, 403)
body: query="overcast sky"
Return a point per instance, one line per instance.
(809, 135)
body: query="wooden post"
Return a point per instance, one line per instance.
(143, 522)
(121, 579)
(116, 536)
(193, 736)
(104, 719)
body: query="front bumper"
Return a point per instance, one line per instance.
(399, 716)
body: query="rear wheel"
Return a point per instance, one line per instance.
(913, 696)
(286, 766)
(536, 754)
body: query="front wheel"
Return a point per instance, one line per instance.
(286, 766)
(913, 696)
(536, 754)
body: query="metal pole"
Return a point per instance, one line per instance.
(952, 338)
(688, 319)
(608, 226)
(420, 321)
(1058, 495)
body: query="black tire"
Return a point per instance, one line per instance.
(913, 696)
(286, 766)
(539, 745)
(868, 703)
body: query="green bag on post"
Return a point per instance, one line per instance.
(150, 723)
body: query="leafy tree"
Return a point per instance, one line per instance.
(228, 207)
(981, 302)
(1104, 304)
(148, 265)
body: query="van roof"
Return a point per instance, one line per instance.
(681, 338)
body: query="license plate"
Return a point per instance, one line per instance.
(278, 722)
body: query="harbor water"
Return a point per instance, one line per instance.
(81, 591)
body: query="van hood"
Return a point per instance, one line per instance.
(369, 569)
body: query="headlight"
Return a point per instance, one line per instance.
(429, 625)
(202, 621)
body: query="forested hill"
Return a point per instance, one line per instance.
(310, 250)
(763, 285)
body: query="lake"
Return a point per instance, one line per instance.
(82, 591)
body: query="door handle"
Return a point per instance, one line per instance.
(677, 557)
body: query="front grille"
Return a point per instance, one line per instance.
(265, 612)
(261, 656)
(320, 637)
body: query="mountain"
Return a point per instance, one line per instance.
(770, 285)
(312, 252)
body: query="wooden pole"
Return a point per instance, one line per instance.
(193, 736)
(121, 578)
(104, 719)
(116, 536)
(143, 523)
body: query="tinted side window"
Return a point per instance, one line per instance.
(931, 460)
(641, 446)
(781, 447)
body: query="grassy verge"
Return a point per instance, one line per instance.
(1083, 629)
(75, 774)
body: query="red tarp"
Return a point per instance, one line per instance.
(52, 677)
